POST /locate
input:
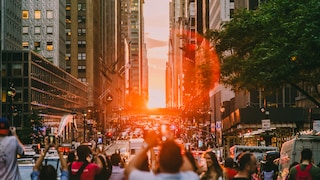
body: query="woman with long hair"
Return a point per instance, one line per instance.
(214, 170)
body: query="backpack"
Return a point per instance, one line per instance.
(78, 173)
(303, 174)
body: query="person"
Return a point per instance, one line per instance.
(306, 157)
(85, 157)
(229, 168)
(192, 160)
(290, 167)
(105, 172)
(214, 170)
(71, 157)
(117, 167)
(48, 172)
(247, 166)
(172, 164)
(10, 146)
(145, 164)
(269, 170)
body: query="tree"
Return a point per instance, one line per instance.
(275, 45)
(30, 129)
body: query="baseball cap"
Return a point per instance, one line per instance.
(4, 126)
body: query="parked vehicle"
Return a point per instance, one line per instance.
(258, 151)
(291, 152)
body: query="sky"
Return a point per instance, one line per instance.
(156, 16)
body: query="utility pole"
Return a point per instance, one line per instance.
(84, 126)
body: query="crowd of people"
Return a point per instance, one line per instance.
(92, 163)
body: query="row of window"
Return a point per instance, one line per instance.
(81, 7)
(81, 56)
(37, 45)
(37, 14)
(81, 31)
(81, 19)
(37, 30)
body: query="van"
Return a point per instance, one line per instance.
(291, 152)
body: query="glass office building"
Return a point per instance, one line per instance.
(32, 84)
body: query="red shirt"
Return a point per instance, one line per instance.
(89, 171)
(230, 173)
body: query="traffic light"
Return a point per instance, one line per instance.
(109, 134)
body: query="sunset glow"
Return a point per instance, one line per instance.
(157, 34)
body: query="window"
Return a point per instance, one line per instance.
(37, 14)
(81, 19)
(68, 19)
(37, 46)
(50, 59)
(49, 30)
(25, 30)
(68, 57)
(68, 7)
(81, 56)
(49, 14)
(68, 44)
(82, 79)
(25, 45)
(81, 69)
(231, 13)
(82, 44)
(49, 46)
(16, 69)
(81, 7)
(68, 31)
(37, 30)
(25, 14)
(81, 31)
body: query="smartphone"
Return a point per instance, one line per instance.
(100, 140)
(52, 140)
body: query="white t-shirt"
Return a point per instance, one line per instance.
(143, 175)
(9, 148)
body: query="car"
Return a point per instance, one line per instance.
(25, 166)
(29, 152)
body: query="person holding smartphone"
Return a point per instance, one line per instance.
(48, 172)
(10, 146)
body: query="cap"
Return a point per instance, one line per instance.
(4, 126)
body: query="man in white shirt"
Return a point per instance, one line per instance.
(10, 146)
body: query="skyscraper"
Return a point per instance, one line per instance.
(43, 29)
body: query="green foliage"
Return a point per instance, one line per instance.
(274, 45)
(34, 121)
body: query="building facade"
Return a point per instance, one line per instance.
(10, 33)
(43, 29)
(42, 88)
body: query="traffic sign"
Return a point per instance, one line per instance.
(265, 124)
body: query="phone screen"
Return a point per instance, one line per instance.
(99, 140)
(52, 140)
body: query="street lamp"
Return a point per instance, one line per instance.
(84, 126)
(72, 127)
